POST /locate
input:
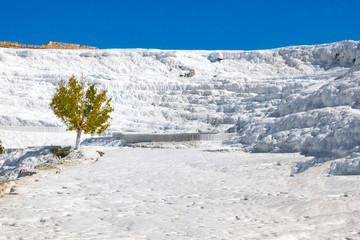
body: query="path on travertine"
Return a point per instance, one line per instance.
(183, 194)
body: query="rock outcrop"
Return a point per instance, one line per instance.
(49, 45)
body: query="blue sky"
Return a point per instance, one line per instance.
(182, 24)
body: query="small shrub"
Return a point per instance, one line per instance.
(2, 149)
(60, 152)
(100, 153)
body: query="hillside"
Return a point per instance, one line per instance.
(302, 98)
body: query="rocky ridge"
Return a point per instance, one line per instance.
(48, 45)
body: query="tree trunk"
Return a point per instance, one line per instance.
(78, 138)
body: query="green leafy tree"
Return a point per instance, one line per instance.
(80, 108)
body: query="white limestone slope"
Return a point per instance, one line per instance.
(302, 98)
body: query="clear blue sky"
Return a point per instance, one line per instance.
(181, 24)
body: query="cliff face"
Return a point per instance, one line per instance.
(49, 45)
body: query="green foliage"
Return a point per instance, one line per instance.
(2, 149)
(68, 102)
(96, 110)
(81, 108)
(60, 152)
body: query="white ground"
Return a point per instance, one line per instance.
(132, 193)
